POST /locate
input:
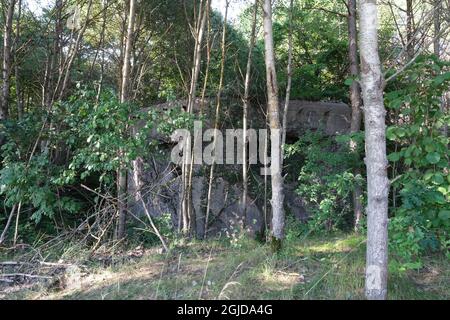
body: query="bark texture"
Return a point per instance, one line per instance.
(289, 79)
(187, 212)
(127, 54)
(245, 109)
(216, 121)
(6, 74)
(122, 173)
(278, 219)
(355, 99)
(409, 29)
(19, 93)
(372, 83)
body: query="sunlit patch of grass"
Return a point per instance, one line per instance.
(274, 278)
(340, 244)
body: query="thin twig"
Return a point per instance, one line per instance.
(204, 275)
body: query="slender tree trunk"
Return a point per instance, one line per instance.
(209, 45)
(274, 123)
(8, 223)
(197, 55)
(289, 80)
(16, 229)
(101, 47)
(122, 45)
(46, 83)
(355, 90)
(54, 61)
(19, 93)
(122, 173)
(7, 36)
(127, 54)
(245, 111)
(74, 54)
(410, 29)
(204, 15)
(372, 83)
(266, 160)
(188, 214)
(216, 121)
(122, 187)
(355, 98)
(437, 27)
(437, 51)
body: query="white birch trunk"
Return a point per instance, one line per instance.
(355, 98)
(372, 83)
(274, 123)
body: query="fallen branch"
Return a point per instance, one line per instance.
(5, 231)
(42, 263)
(25, 275)
(13, 263)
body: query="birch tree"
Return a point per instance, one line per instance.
(275, 128)
(122, 172)
(355, 99)
(289, 78)
(187, 213)
(372, 83)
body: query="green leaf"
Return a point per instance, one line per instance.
(401, 132)
(438, 178)
(394, 157)
(430, 148)
(428, 175)
(390, 134)
(442, 190)
(349, 81)
(444, 215)
(441, 78)
(433, 158)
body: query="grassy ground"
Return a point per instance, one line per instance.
(314, 268)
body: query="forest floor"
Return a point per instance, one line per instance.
(313, 268)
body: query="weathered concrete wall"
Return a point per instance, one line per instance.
(333, 118)
(161, 178)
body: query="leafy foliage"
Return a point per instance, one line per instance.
(103, 135)
(84, 139)
(421, 220)
(326, 179)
